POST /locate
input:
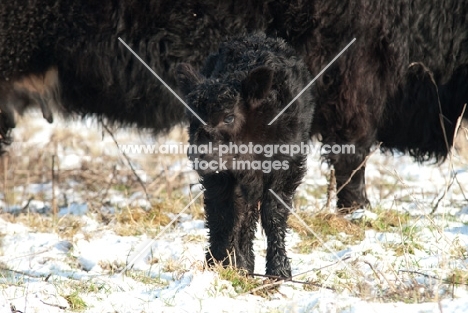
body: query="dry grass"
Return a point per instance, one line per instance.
(97, 170)
(134, 221)
(111, 267)
(408, 293)
(175, 267)
(387, 220)
(75, 302)
(66, 227)
(457, 277)
(98, 174)
(325, 225)
(147, 279)
(137, 221)
(242, 282)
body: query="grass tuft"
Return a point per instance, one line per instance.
(325, 225)
(135, 221)
(66, 227)
(241, 281)
(457, 277)
(387, 220)
(409, 293)
(75, 302)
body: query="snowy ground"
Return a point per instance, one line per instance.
(73, 263)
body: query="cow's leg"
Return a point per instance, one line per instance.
(350, 180)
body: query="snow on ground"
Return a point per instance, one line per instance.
(418, 265)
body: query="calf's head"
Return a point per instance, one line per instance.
(233, 108)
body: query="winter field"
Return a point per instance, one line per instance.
(87, 228)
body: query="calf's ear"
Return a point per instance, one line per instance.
(257, 84)
(187, 77)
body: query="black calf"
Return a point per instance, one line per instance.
(242, 88)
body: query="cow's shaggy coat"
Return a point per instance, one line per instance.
(404, 82)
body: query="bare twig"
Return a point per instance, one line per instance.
(323, 267)
(265, 286)
(420, 273)
(442, 120)
(441, 115)
(26, 206)
(5, 175)
(461, 188)
(453, 175)
(379, 274)
(358, 168)
(21, 273)
(140, 181)
(106, 190)
(290, 280)
(331, 190)
(443, 280)
(54, 201)
(444, 193)
(55, 305)
(24, 256)
(280, 281)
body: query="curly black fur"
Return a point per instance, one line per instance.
(96, 73)
(404, 82)
(243, 87)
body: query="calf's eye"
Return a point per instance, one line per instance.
(229, 119)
